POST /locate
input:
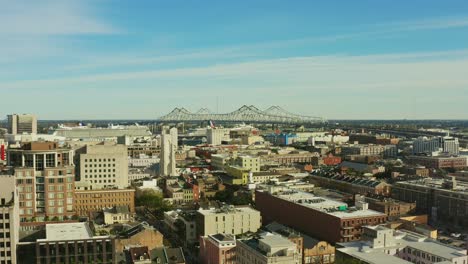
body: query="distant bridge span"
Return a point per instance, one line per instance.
(247, 114)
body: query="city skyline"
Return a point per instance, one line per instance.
(121, 60)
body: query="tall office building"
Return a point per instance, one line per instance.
(45, 178)
(102, 166)
(167, 163)
(445, 144)
(24, 123)
(9, 219)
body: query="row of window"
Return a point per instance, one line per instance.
(104, 170)
(96, 165)
(98, 160)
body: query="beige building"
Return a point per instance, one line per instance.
(117, 214)
(270, 248)
(141, 235)
(90, 201)
(228, 220)
(24, 123)
(45, 179)
(102, 166)
(9, 219)
(215, 136)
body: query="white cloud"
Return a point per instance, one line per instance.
(49, 17)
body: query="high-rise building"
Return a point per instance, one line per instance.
(167, 163)
(45, 176)
(9, 219)
(446, 144)
(24, 123)
(102, 166)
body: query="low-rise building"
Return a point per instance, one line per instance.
(312, 250)
(74, 243)
(384, 245)
(218, 248)
(443, 199)
(183, 224)
(141, 235)
(9, 219)
(320, 217)
(117, 214)
(269, 248)
(228, 220)
(90, 201)
(439, 162)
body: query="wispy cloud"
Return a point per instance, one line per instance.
(49, 17)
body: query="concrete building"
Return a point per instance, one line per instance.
(167, 164)
(270, 248)
(218, 248)
(312, 250)
(22, 123)
(9, 219)
(74, 243)
(426, 145)
(88, 201)
(143, 161)
(228, 220)
(444, 200)
(45, 176)
(215, 136)
(383, 245)
(102, 166)
(320, 217)
(249, 163)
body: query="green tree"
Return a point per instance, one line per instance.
(153, 201)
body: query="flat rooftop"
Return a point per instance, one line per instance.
(67, 231)
(227, 210)
(326, 205)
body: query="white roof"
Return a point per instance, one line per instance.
(68, 231)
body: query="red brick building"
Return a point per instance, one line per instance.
(319, 217)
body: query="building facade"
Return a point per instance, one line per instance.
(9, 219)
(227, 220)
(167, 163)
(102, 166)
(218, 248)
(90, 201)
(320, 217)
(45, 176)
(270, 248)
(22, 123)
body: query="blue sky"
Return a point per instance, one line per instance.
(111, 59)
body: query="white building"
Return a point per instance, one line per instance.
(386, 246)
(102, 166)
(143, 160)
(437, 144)
(215, 136)
(9, 219)
(228, 220)
(167, 164)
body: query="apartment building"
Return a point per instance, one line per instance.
(9, 219)
(45, 178)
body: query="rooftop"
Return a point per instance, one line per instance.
(329, 206)
(68, 231)
(227, 210)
